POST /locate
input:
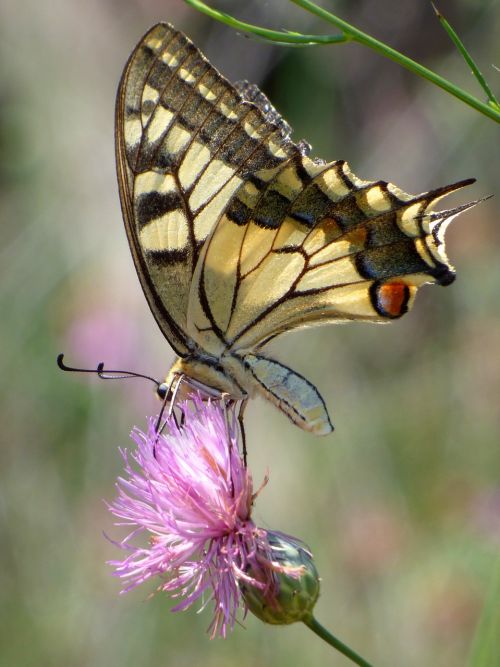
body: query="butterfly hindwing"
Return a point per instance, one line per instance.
(313, 245)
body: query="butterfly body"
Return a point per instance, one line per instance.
(239, 236)
(209, 371)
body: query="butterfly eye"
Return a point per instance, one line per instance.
(162, 390)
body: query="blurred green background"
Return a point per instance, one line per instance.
(401, 505)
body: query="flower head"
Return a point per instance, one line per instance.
(188, 490)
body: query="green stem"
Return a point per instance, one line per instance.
(372, 43)
(317, 628)
(349, 33)
(276, 36)
(467, 57)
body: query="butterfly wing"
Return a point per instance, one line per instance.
(309, 243)
(314, 244)
(184, 145)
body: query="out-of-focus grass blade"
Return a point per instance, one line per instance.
(468, 59)
(486, 643)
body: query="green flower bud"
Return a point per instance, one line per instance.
(292, 582)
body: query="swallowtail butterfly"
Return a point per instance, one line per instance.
(238, 235)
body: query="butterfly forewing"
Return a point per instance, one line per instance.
(185, 144)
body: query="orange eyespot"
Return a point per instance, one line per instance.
(390, 299)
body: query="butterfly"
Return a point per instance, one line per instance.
(239, 236)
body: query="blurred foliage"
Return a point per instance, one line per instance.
(486, 644)
(401, 505)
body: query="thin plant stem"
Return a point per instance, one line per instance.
(275, 36)
(349, 34)
(467, 57)
(401, 59)
(322, 632)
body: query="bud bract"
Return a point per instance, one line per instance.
(291, 581)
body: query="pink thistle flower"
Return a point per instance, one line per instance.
(190, 492)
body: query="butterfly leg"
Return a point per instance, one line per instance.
(230, 401)
(241, 411)
(170, 396)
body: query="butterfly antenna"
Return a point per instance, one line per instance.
(104, 374)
